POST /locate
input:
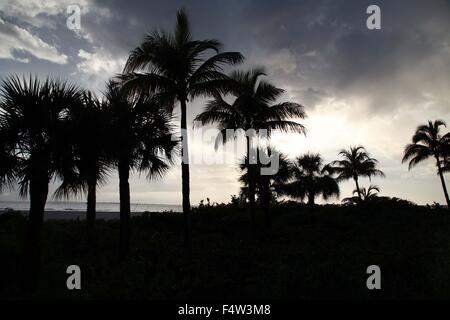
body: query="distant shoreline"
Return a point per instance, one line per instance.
(81, 215)
(66, 207)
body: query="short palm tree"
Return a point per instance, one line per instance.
(36, 148)
(90, 124)
(267, 185)
(428, 142)
(310, 179)
(141, 140)
(356, 162)
(177, 68)
(366, 194)
(254, 109)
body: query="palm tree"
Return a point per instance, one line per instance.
(446, 164)
(446, 152)
(356, 162)
(37, 147)
(141, 136)
(310, 179)
(175, 66)
(8, 160)
(266, 185)
(428, 142)
(368, 194)
(90, 124)
(254, 108)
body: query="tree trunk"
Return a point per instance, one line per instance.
(185, 177)
(311, 207)
(357, 189)
(90, 214)
(124, 190)
(311, 202)
(251, 183)
(33, 240)
(265, 201)
(444, 187)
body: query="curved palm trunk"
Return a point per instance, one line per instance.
(33, 241)
(90, 214)
(124, 190)
(185, 177)
(357, 189)
(251, 183)
(444, 187)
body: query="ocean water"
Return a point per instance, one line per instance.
(68, 206)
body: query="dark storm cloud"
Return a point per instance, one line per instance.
(323, 45)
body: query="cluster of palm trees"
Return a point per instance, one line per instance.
(307, 177)
(52, 130)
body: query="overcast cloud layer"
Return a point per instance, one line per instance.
(359, 86)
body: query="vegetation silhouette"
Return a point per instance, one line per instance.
(254, 109)
(309, 179)
(35, 134)
(355, 162)
(427, 142)
(52, 130)
(173, 65)
(141, 137)
(367, 195)
(266, 185)
(90, 132)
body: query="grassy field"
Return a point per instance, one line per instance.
(297, 258)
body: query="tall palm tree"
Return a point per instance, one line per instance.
(266, 185)
(427, 142)
(310, 179)
(141, 137)
(356, 162)
(90, 124)
(368, 194)
(37, 147)
(254, 108)
(177, 68)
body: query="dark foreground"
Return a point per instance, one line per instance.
(298, 258)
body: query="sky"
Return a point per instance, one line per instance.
(358, 86)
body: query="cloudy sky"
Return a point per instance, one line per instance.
(358, 86)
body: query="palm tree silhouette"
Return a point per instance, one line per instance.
(366, 194)
(356, 162)
(90, 124)
(174, 66)
(254, 109)
(428, 142)
(446, 163)
(310, 179)
(266, 185)
(37, 147)
(141, 139)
